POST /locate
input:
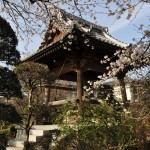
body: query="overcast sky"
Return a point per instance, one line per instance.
(122, 29)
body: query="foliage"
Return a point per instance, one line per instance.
(6, 132)
(41, 113)
(8, 114)
(140, 112)
(143, 80)
(105, 92)
(35, 14)
(135, 56)
(3, 141)
(44, 114)
(5, 135)
(9, 132)
(141, 106)
(8, 43)
(146, 91)
(38, 111)
(99, 127)
(33, 76)
(10, 85)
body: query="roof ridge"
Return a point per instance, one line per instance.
(83, 21)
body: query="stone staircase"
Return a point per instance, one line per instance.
(35, 132)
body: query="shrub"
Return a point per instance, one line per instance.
(98, 126)
(3, 141)
(6, 134)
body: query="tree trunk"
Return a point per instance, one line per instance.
(47, 95)
(123, 90)
(28, 126)
(30, 97)
(29, 122)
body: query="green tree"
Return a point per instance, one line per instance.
(34, 20)
(3, 141)
(10, 85)
(8, 115)
(8, 42)
(99, 127)
(32, 77)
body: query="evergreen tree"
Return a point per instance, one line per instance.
(8, 43)
(10, 86)
(8, 114)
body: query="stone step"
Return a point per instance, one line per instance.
(36, 132)
(14, 148)
(45, 127)
(16, 143)
(32, 138)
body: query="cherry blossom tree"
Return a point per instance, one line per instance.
(133, 57)
(31, 16)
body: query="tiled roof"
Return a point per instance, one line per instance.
(69, 22)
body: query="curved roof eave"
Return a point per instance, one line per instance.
(103, 36)
(45, 50)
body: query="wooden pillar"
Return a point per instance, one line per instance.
(79, 89)
(79, 83)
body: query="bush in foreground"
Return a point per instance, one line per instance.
(99, 127)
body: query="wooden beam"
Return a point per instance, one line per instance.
(60, 102)
(94, 66)
(63, 69)
(63, 88)
(68, 77)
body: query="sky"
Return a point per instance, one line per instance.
(122, 29)
(125, 30)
